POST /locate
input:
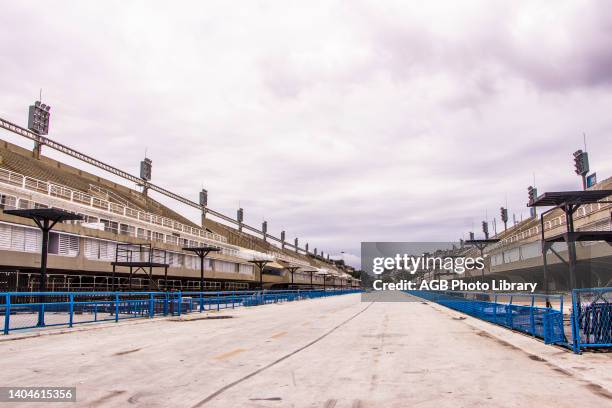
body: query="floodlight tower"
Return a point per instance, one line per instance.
(264, 230)
(203, 204)
(485, 229)
(240, 218)
(145, 174)
(38, 122)
(282, 239)
(581, 166)
(504, 217)
(296, 245)
(533, 195)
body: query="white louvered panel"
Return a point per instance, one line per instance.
(63, 246)
(103, 249)
(109, 255)
(5, 236)
(74, 245)
(246, 269)
(68, 245)
(33, 240)
(17, 238)
(92, 249)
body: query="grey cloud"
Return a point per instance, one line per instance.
(338, 123)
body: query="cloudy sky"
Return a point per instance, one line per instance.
(341, 121)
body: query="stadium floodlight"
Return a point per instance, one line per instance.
(533, 195)
(504, 217)
(264, 230)
(145, 169)
(581, 166)
(38, 118)
(204, 198)
(240, 218)
(282, 239)
(296, 244)
(203, 204)
(485, 229)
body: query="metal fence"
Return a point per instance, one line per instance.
(527, 313)
(28, 310)
(591, 318)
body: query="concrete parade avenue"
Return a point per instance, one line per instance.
(332, 352)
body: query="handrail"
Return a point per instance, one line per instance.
(103, 205)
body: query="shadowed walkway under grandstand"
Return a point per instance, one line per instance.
(334, 352)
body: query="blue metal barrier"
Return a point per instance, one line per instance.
(591, 318)
(543, 322)
(28, 310)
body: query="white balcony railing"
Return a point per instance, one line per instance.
(84, 199)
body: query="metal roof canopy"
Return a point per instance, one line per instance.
(324, 275)
(292, 270)
(569, 202)
(39, 215)
(481, 241)
(202, 252)
(311, 272)
(45, 218)
(261, 264)
(558, 198)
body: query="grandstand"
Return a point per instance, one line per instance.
(81, 252)
(517, 257)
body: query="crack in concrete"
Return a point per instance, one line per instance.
(283, 358)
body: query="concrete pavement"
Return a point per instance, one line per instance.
(333, 352)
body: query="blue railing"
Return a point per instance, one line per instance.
(27, 310)
(591, 318)
(523, 312)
